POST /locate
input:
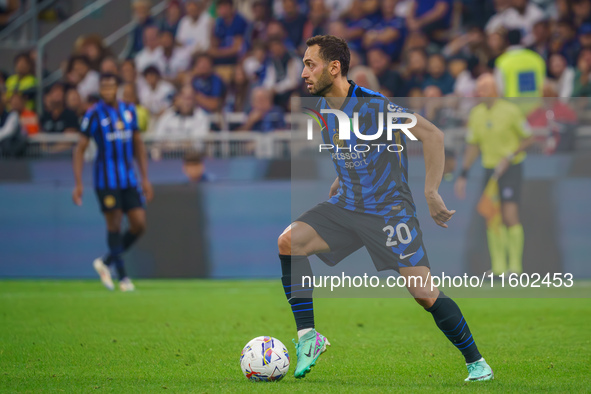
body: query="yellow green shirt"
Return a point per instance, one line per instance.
(523, 72)
(25, 84)
(497, 131)
(143, 117)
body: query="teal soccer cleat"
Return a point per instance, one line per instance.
(479, 371)
(310, 347)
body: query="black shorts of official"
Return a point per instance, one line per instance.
(120, 199)
(509, 183)
(392, 241)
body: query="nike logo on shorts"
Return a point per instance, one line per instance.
(403, 256)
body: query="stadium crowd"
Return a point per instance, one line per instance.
(205, 57)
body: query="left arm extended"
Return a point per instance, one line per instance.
(434, 153)
(141, 157)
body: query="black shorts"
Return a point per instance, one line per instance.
(123, 199)
(509, 183)
(392, 241)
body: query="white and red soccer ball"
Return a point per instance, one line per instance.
(264, 359)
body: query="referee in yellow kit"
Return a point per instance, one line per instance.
(498, 129)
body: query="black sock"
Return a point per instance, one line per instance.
(298, 296)
(451, 322)
(115, 242)
(129, 239)
(120, 267)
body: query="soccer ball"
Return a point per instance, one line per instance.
(264, 359)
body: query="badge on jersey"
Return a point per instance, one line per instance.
(337, 141)
(119, 125)
(109, 201)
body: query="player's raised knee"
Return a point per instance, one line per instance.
(284, 242)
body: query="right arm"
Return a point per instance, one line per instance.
(78, 165)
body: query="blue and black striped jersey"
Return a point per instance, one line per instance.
(373, 179)
(112, 128)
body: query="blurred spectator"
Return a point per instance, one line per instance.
(264, 116)
(255, 64)
(522, 16)
(433, 17)
(74, 103)
(585, 35)
(337, 8)
(185, 120)
(23, 80)
(390, 82)
(565, 40)
(497, 43)
(152, 54)
(541, 38)
(519, 72)
(156, 94)
(176, 58)
(94, 48)
(582, 85)
(316, 23)
(12, 140)
(195, 27)
(237, 97)
(130, 96)
(561, 74)
(416, 70)
(194, 167)
(283, 72)
(356, 26)
(293, 21)
(56, 118)
(128, 73)
(558, 118)
(465, 84)
(208, 87)
(83, 77)
(275, 30)
(473, 43)
(339, 29)
(418, 40)
(437, 74)
(7, 9)
(228, 39)
(28, 118)
(256, 30)
(109, 65)
(141, 15)
(581, 11)
(172, 17)
(388, 33)
(365, 77)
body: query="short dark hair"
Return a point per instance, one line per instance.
(332, 48)
(224, 2)
(514, 37)
(24, 55)
(110, 76)
(151, 69)
(193, 156)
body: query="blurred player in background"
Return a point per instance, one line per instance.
(113, 126)
(369, 199)
(499, 130)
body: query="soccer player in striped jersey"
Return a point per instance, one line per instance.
(370, 204)
(113, 126)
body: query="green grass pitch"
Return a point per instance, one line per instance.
(187, 335)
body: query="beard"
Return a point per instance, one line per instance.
(323, 84)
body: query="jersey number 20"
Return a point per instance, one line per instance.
(404, 239)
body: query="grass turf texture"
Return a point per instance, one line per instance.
(186, 336)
